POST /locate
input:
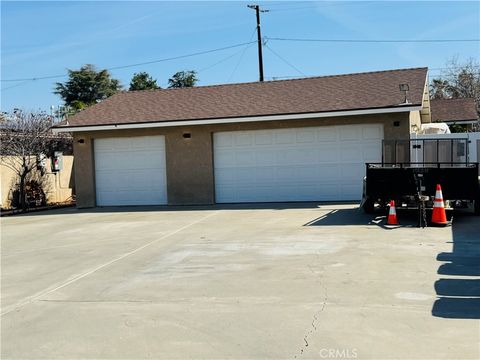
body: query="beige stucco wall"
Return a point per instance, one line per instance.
(415, 121)
(58, 186)
(426, 112)
(190, 176)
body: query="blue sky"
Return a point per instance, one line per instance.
(46, 38)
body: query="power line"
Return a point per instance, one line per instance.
(14, 86)
(226, 58)
(373, 40)
(180, 56)
(284, 60)
(293, 9)
(139, 64)
(323, 5)
(241, 56)
(288, 3)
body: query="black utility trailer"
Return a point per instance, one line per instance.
(411, 169)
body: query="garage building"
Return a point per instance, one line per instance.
(275, 141)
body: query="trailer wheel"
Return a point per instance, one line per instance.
(369, 206)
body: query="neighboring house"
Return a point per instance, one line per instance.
(291, 140)
(454, 111)
(43, 182)
(58, 186)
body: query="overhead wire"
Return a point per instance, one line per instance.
(292, 9)
(14, 86)
(372, 40)
(137, 64)
(224, 59)
(284, 60)
(241, 56)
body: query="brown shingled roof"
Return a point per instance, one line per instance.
(448, 110)
(310, 95)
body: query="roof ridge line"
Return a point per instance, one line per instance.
(273, 81)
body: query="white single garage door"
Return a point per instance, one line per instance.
(130, 171)
(300, 164)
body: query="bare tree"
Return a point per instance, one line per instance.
(458, 80)
(25, 137)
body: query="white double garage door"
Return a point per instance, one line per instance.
(298, 164)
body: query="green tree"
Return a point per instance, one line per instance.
(143, 81)
(183, 79)
(86, 87)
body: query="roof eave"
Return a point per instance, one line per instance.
(282, 117)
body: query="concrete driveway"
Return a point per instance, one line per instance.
(274, 281)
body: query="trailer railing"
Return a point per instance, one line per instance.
(420, 165)
(423, 152)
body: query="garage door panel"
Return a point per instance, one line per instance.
(285, 174)
(129, 180)
(226, 158)
(327, 134)
(265, 175)
(329, 192)
(305, 136)
(284, 137)
(372, 133)
(225, 176)
(243, 175)
(130, 171)
(107, 161)
(370, 152)
(245, 158)
(224, 141)
(105, 145)
(244, 139)
(351, 172)
(304, 164)
(130, 198)
(350, 133)
(288, 156)
(305, 174)
(227, 192)
(351, 153)
(266, 157)
(308, 155)
(329, 172)
(327, 153)
(348, 191)
(264, 138)
(121, 144)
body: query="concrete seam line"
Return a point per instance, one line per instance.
(89, 272)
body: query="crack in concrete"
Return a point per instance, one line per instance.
(316, 315)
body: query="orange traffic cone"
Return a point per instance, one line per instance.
(392, 214)
(439, 217)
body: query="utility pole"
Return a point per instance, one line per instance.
(259, 39)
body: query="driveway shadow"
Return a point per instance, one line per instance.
(459, 293)
(356, 216)
(168, 208)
